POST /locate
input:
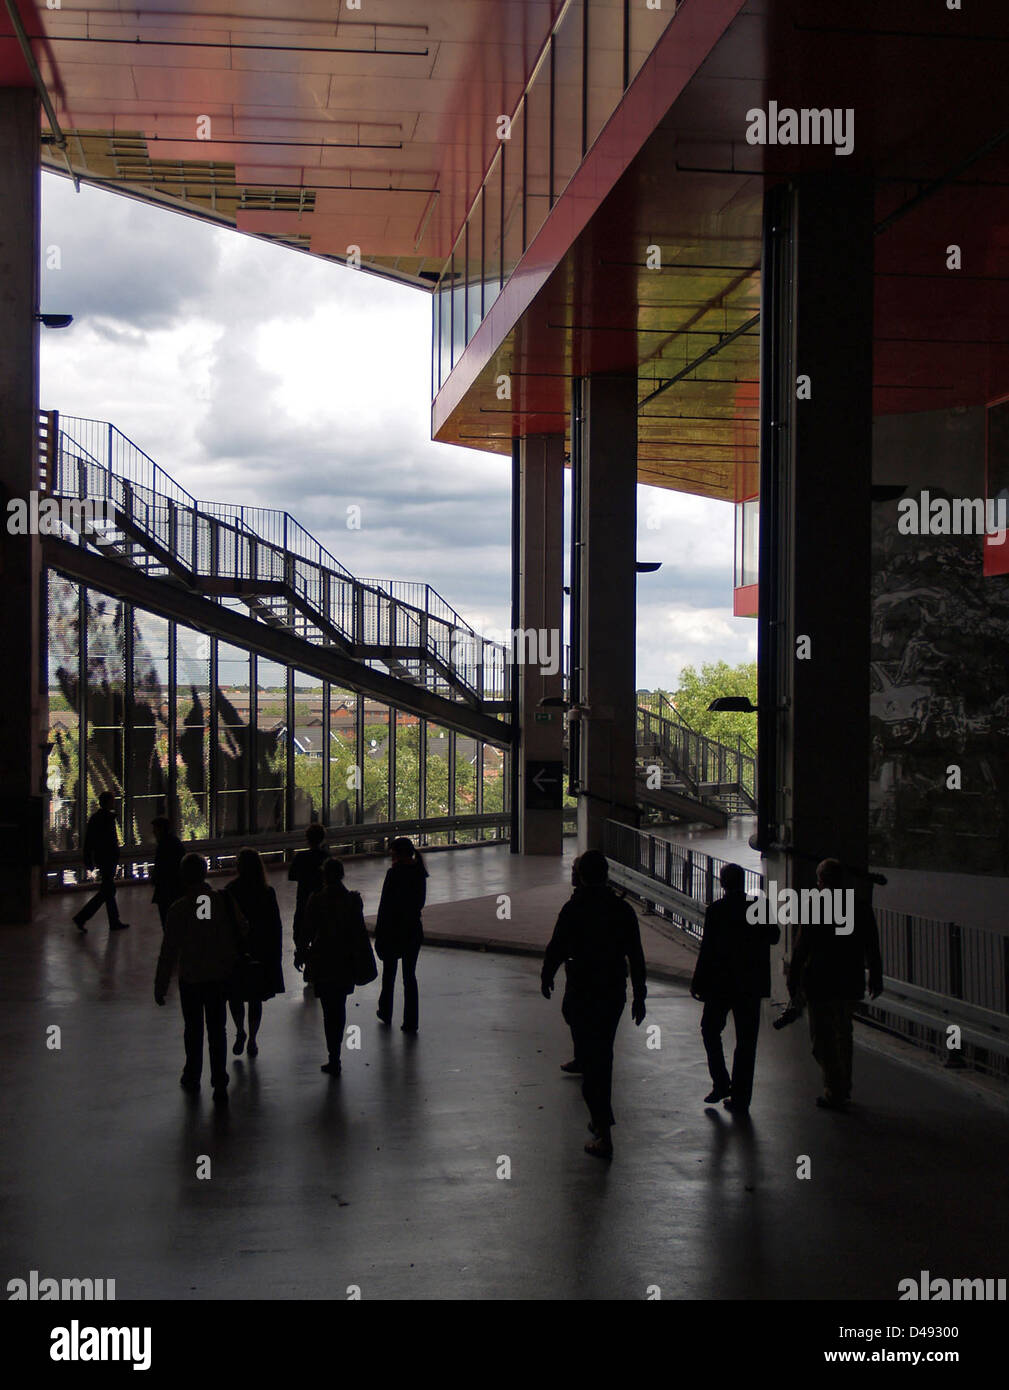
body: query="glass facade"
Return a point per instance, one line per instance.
(231, 744)
(747, 542)
(595, 51)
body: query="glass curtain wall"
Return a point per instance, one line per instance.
(234, 693)
(596, 50)
(271, 747)
(308, 733)
(375, 762)
(176, 722)
(192, 734)
(105, 697)
(149, 778)
(345, 780)
(64, 760)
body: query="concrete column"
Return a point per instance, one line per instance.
(21, 722)
(607, 602)
(541, 672)
(815, 525)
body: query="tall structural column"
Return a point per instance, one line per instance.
(539, 642)
(20, 708)
(607, 533)
(815, 503)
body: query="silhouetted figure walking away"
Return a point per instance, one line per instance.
(203, 937)
(338, 944)
(399, 932)
(101, 852)
(830, 970)
(165, 870)
(263, 975)
(733, 974)
(306, 872)
(597, 936)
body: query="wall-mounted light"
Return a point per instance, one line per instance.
(734, 704)
(54, 320)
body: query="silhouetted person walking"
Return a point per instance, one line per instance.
(733, 974)
(264, 973)
(830, 970)
(338, 942)
(165, 869)
(399, 932)
(101, 852)
(306, 872)
(597, 936)
(203, 938)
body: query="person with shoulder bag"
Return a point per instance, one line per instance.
(339, 954)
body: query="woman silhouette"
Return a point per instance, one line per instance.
(258, 904)
(399, 932)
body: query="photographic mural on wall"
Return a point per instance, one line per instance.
(939, 700)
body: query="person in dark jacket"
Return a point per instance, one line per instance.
(101, 852)
(597, 936)
(165, 870)
(399, 932)
(337, 940)
(733, 974)
(306, 872)
(829, 968)
(257, 903)
(203, 938)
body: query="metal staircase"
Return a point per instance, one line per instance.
(401, 642)
(700, 778)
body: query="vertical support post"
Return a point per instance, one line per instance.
(21, 713)
(539, 670)
(607, 605)
(816, 472)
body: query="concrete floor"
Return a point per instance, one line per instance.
(387, 1178)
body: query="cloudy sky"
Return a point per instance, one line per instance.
(256, 374)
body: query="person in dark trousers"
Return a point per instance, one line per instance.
(167, 862)
(203, 938)
(829, 968)
(597, 936)
(257, 903)
(306, 872)
(399, 932)
(732, 975)
(337, 938)
(101, 852)
(574, 1067)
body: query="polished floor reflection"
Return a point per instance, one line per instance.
(388, 1178)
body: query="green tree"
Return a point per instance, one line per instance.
(696, 690)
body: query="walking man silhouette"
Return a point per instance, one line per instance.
(597, 936)
(829, 967)
(732, 975)
(101, 852)
(203, 939)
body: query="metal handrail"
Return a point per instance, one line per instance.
(261, 543)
